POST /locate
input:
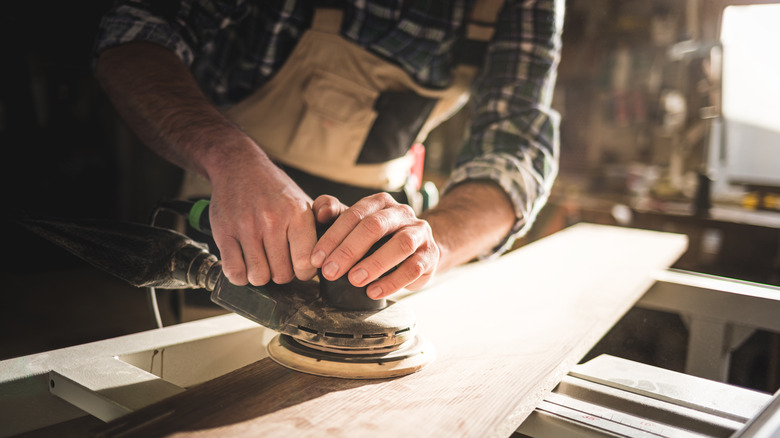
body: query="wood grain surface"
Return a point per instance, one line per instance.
(505, 332)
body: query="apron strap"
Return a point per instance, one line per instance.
(327, 20)
(479, 30)
(482, 20)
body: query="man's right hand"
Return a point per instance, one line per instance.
(261, 221)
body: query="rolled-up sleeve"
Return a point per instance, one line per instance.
(513, 138)
(168, 23)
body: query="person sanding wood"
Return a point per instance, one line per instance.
(301, 111)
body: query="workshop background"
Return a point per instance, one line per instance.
(643, 144)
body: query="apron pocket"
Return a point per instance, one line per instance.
(337, 117)
(401, 115)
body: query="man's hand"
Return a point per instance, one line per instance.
(262, 223)
(261, 220)
(259, 215)
(411, 248)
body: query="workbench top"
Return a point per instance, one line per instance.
(505, 333)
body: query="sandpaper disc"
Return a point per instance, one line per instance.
(409, 357)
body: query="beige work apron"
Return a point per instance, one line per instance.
(317, 110)
(315, 113)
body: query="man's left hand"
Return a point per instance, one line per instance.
(411, 247)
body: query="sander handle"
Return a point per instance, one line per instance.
(198, 216)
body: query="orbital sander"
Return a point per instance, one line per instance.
(326, 328)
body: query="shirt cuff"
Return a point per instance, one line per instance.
(129, 24)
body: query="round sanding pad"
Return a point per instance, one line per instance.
(407, 358)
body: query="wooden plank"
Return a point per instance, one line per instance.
(505, 332)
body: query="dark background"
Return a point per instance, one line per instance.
(66, 155)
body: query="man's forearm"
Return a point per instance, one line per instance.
(261, 220)
(472, 218)
(160, 100)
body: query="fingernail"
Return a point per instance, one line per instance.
(330, 269)
(374, 292)
(359, 275)
(318, 258)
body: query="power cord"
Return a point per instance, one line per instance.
(181, 208)
(151, 290)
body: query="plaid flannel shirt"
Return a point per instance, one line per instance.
(234, 47)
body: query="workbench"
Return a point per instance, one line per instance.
(506, 332)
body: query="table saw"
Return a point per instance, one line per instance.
(508, 333)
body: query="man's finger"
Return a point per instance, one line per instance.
(302, 237)
(411, 270)
(350, 218)
(232, 260)
(277, 251)
(326, 208)
(414, 239)
(371, 229)
(257, 270)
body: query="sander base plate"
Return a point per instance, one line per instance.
(407, 358)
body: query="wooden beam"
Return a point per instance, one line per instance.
(505, 332)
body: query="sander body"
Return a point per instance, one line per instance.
(327, 328)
